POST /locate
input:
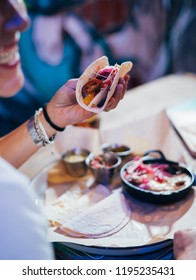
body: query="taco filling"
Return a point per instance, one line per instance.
(100, 84)
(97, 84)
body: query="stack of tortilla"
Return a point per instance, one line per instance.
(95, 214)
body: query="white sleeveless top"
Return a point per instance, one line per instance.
(23, 226)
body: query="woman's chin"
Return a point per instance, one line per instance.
(12, 86)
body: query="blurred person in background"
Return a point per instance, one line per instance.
(65, 36)
(157, 35)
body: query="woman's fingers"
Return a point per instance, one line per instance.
(118, 94)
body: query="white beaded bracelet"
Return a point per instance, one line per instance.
(37, 131)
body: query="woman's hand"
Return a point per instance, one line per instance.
(64, 110)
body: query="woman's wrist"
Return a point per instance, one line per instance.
(39, 130)
(50, 121)
(50, 130)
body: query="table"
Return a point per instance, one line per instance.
(141, 122)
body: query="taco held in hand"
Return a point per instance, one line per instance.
(97, 84)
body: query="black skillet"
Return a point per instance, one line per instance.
(154, 196)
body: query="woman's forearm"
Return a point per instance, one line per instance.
(17, 146)
(62, 110)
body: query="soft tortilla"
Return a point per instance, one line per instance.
(102, 219)
(89, 73)
(72, 202)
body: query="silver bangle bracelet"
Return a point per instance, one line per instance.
(33, 132)
(37, 131)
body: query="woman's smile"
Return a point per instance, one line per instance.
(8, 58)
(9, 55)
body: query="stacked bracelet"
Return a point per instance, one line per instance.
(57, 128)
(37, 130)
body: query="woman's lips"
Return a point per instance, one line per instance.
(9, 56)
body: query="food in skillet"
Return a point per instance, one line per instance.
(157, 177)
(97, 84)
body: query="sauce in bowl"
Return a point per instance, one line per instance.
(75, 158)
